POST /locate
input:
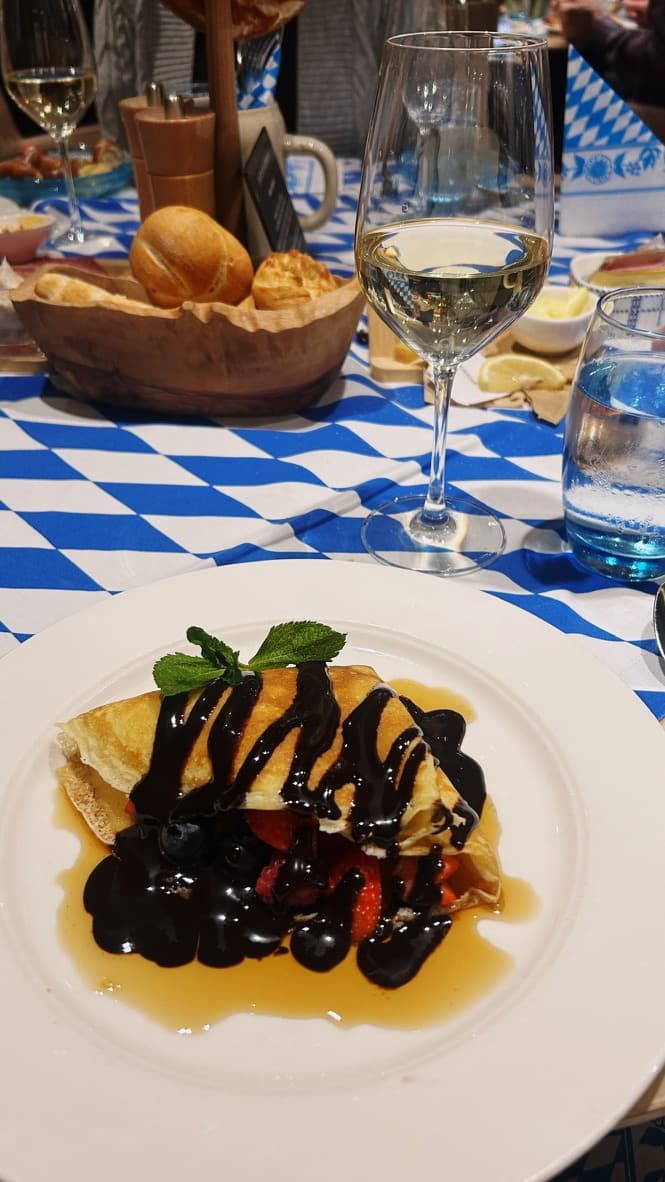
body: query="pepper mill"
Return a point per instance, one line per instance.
(178, 150)
(152, 99)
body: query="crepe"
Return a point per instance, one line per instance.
(334, 742)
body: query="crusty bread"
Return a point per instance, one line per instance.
(249, 18)
(63, 289)
(180, 253)
(288, 278)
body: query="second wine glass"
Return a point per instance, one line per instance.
(48, 68)
(453, 242)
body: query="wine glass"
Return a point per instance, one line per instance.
(453, 242)
(49, 71)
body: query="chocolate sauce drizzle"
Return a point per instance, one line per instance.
(181, 883)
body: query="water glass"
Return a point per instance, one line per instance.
(614, 446)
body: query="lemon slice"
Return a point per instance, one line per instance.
(507, 372)
(403, 353)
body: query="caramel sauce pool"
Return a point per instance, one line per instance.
(193, 997)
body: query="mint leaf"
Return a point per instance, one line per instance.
(291, 644)
(285, 644)
(216, 652)
(179, 673)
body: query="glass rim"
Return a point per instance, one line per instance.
(499, 42)
(656, 334)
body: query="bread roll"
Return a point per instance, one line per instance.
(286, 279)
(249, 18)
(63, 289)
(180, 253)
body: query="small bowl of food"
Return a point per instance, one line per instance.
(599, 271)
(557, 320)
(22, 234)
(36, 174)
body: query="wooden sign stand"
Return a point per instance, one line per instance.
(222, 85)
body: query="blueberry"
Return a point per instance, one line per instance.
(244, 855)
(184, 842)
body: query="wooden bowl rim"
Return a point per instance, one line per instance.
(241, 316)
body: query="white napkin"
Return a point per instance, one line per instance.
(466, 391)
(613, 167)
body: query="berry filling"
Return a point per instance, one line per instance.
(237, 885)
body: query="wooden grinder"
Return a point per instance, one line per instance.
(224, 22)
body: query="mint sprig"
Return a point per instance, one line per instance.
(285, 644)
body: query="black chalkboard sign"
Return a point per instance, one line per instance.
(271, 197)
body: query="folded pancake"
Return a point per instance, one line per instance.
(330, 742)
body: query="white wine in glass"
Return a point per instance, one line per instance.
(453, 243)
(48, 68)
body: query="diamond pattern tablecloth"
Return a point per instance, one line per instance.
(93, 502)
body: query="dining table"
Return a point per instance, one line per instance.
(95, 501)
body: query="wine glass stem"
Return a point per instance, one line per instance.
(434, 510)
(75, 231)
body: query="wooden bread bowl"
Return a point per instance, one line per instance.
(213, 359)
(250, 18)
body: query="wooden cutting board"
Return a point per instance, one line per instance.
(386, 360)
(389, 363)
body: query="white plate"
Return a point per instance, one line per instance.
(511, 1088)
(583, 266)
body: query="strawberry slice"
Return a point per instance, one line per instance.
(276, 829)
(448, 894)
(367, 907)
(265, 883)
(299, 896)
(407, 869)
(449, 866)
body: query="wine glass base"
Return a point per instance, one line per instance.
(87, 242)
(468, 539)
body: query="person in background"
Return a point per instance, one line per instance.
(338, 51)
(631, 60)
(330, 64)
(136, 42)
(637, 11)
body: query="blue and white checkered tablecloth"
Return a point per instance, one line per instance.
(94, 502)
